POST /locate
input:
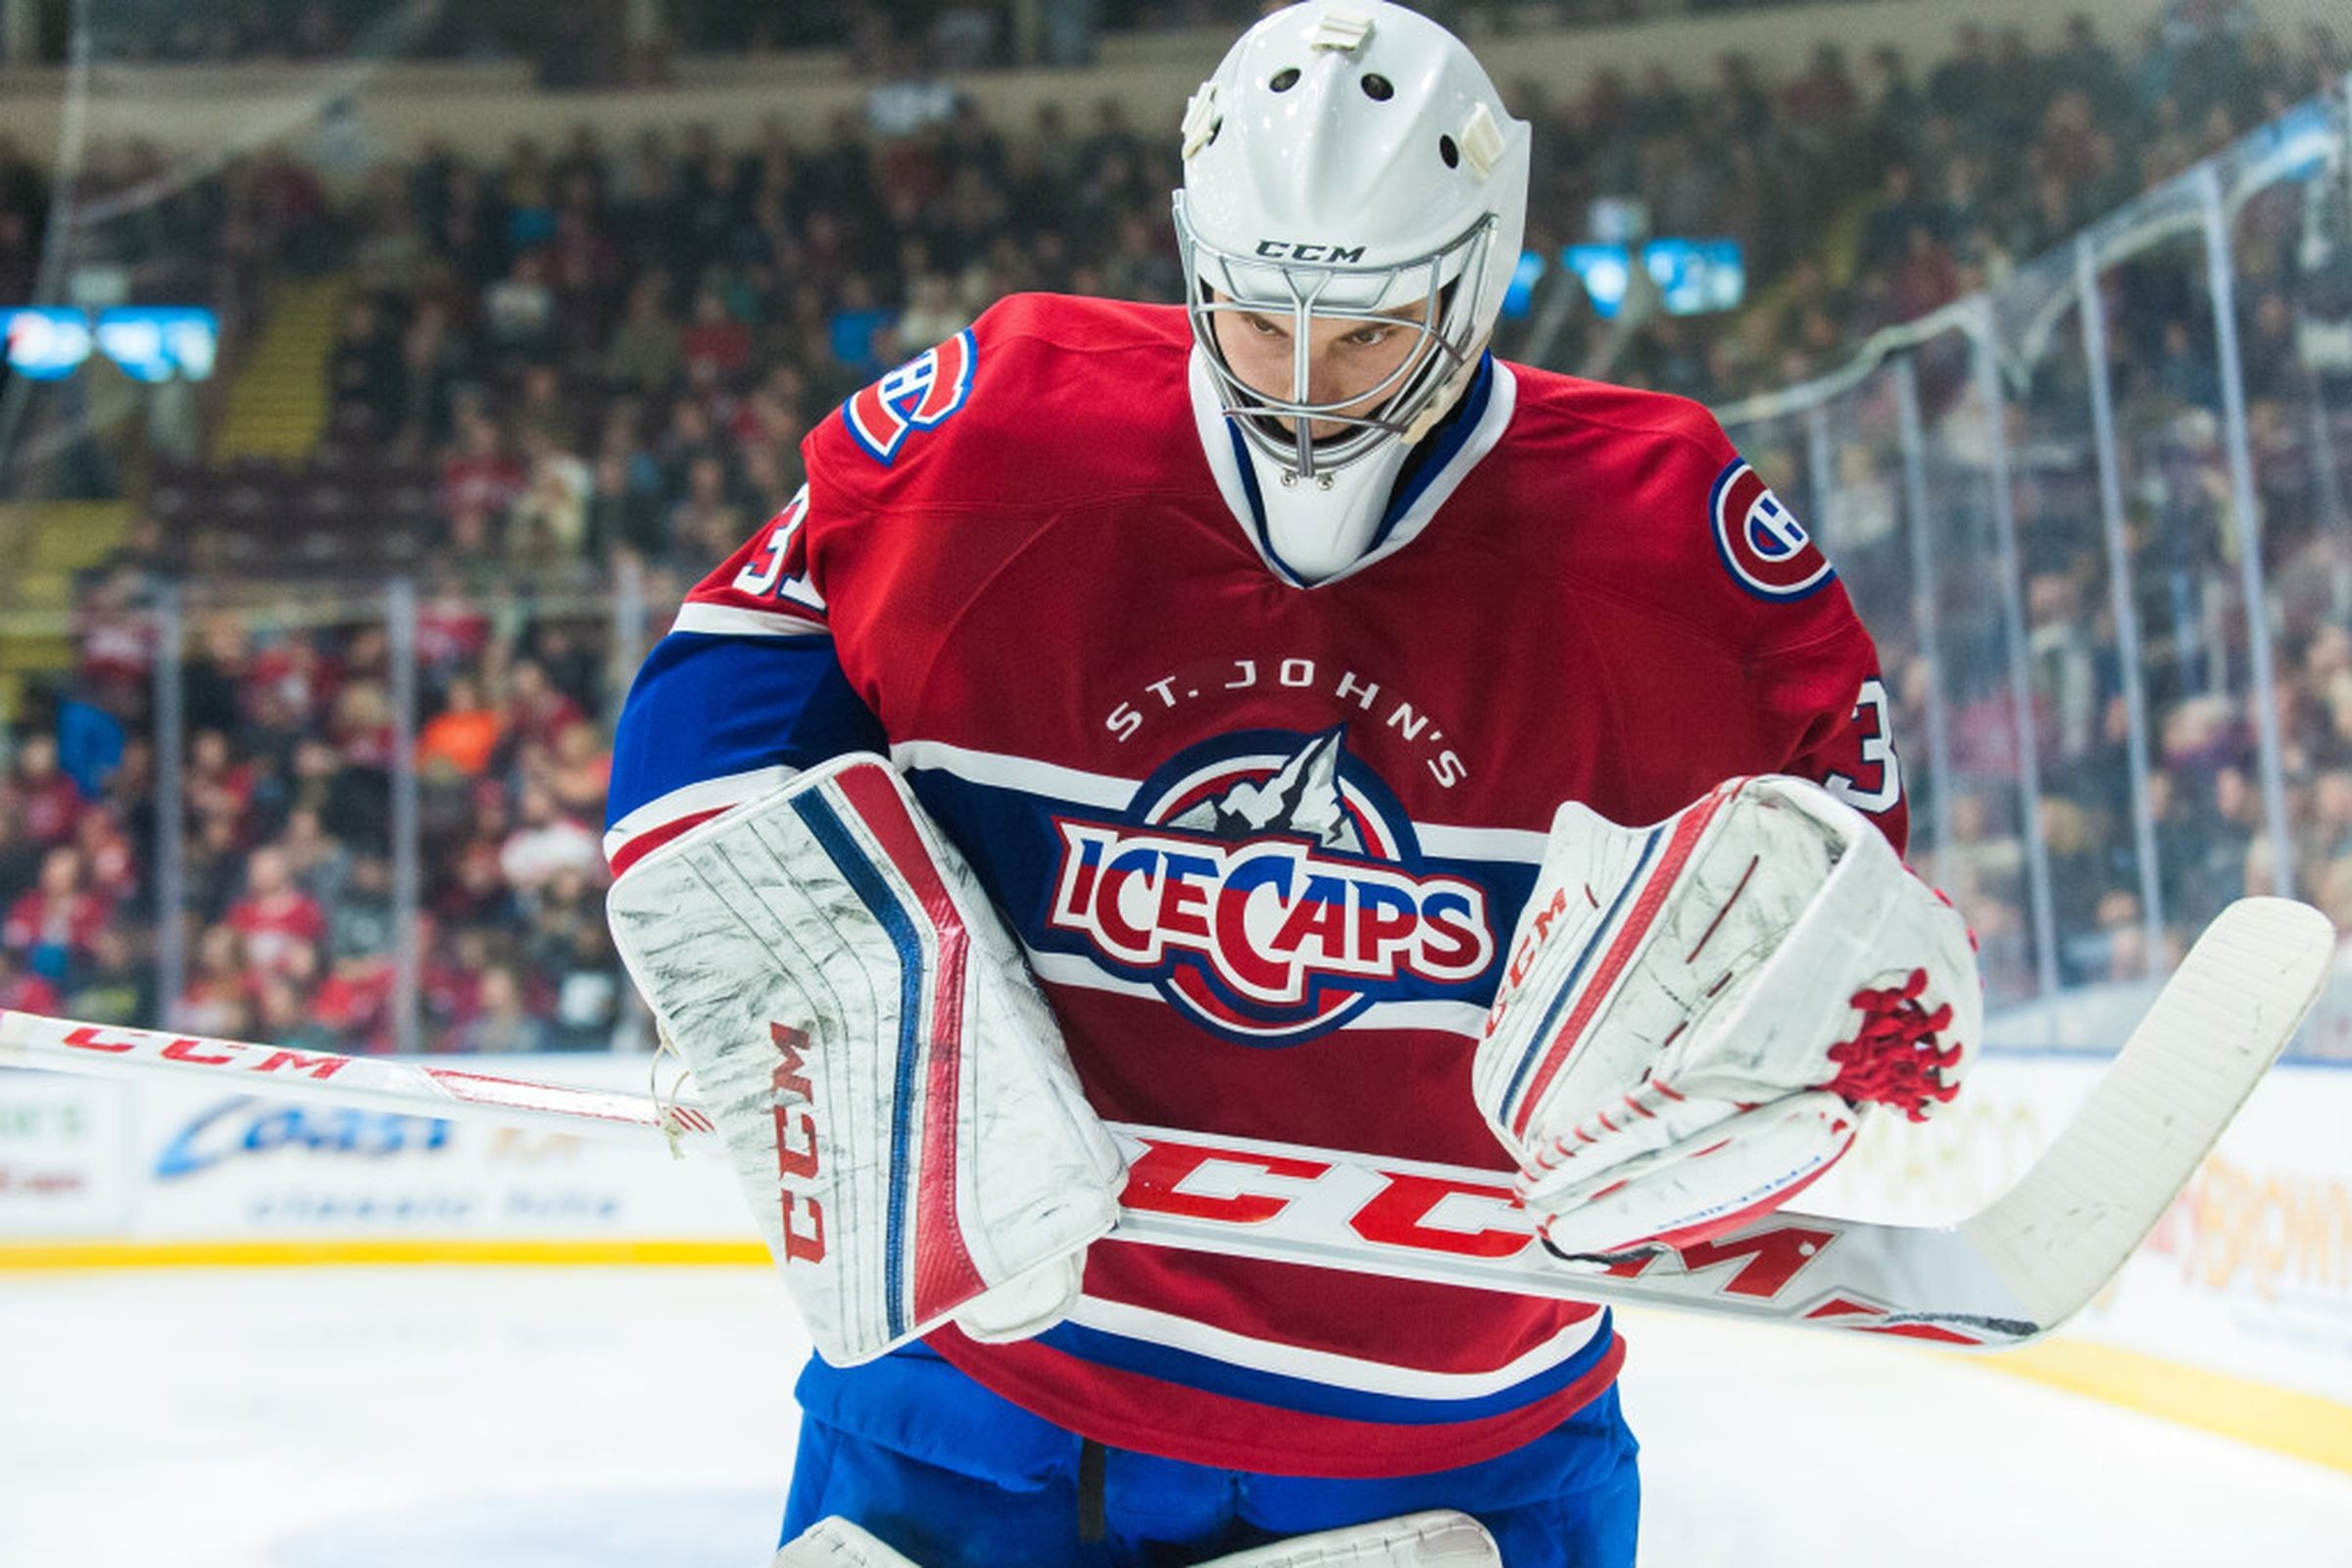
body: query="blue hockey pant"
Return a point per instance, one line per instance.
(955, 1476)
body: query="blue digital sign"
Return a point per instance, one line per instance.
(45, 342)
(157, 342)
(1522, 290)
(1694, 277)
(151, 343)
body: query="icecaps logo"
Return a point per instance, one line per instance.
(1762, 543)
(917, 396)
(1268, 885)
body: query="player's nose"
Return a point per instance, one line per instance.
(1326, 382)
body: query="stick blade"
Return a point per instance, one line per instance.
(2061, 1233)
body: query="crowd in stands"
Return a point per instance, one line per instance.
(626, 42)
(287, 859)
(612, 42)
(591, 356)
(2017, 180)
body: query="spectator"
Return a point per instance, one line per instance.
(56, 924)
(461, 739)
(546, 841)
(549, 524)
(361, 727)
(276, 918)
(432, 361)
(645, 352)
(114, 637)
(580, 771)
(518, 312)
(19, 855)
(116, 985)
(470, 891)
(584, 264)
(453, 631)
(502, 1023)
(715, 348)
(367, 375)
(545, 409)
(1821, 104)
(708, 520)
(360, 923)
(570, 948)
(283, 1016)
(24, 991)
(353, 1003)
(40, 794)
(480, 476)
(216, 866)
(315, 862)
(932, 314)
(110, 863)
(855, 327)
(1963, 87)
(217, 998)
(537, 710)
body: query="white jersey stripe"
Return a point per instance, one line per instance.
(708, 795)
(1078, 970)
(1109, 792)
(1080, 973)
(733, 620)
(998, 772)
(1516, 844)
(1325, 1366)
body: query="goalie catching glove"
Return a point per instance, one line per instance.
(1696, 1014)
(891, 1086)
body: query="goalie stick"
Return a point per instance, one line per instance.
(2005, 1276)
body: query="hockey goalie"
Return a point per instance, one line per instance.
(1279, 718)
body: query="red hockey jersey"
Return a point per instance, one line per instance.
(1265, 841)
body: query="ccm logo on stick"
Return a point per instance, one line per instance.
(1201, 1182)
(1261, 1189)
(201, 1052)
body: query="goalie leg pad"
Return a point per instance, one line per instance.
(1439, 1538)
(889, 1082)
(838, 1544)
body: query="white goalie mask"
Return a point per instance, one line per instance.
(1349, 162)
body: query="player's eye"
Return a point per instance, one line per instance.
(1366, 337)
(1262, 326)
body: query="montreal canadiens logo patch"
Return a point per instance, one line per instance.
(1268, 885)
(917, 396)
(1761, 542)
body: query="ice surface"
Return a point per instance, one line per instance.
(465, 1418)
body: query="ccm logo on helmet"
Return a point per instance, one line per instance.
(1761, 542)
(1283, 250)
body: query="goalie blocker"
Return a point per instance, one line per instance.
(891, 1086)
(1696, 1014)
